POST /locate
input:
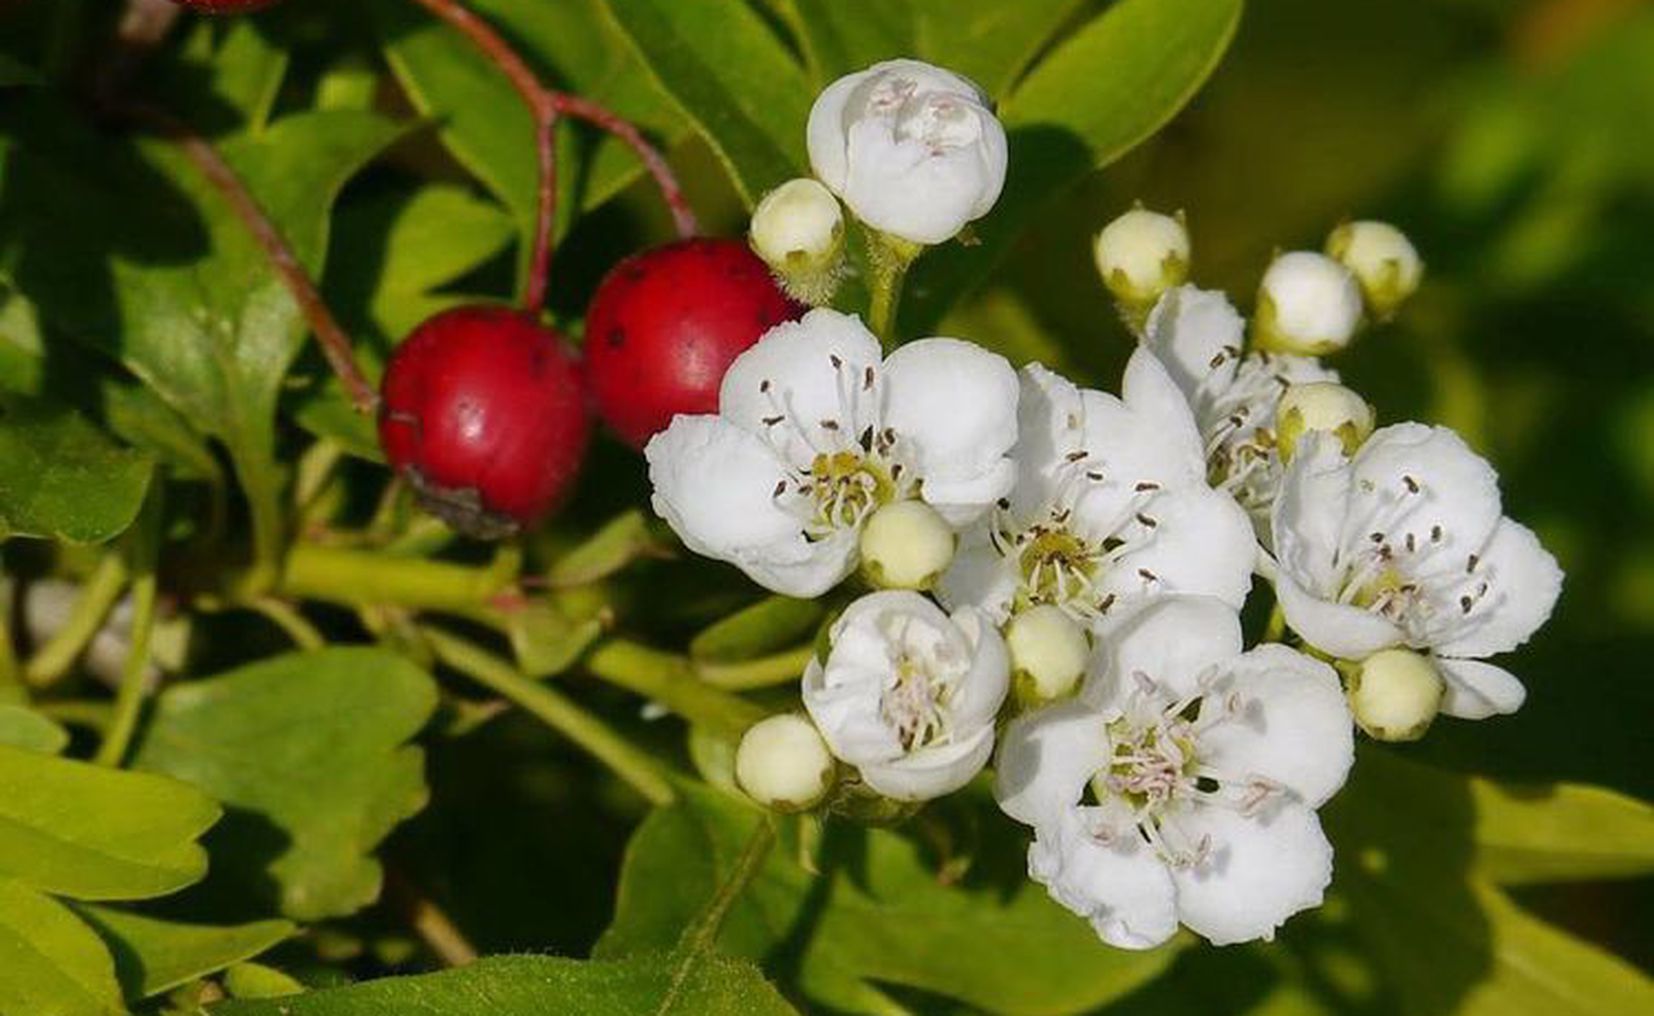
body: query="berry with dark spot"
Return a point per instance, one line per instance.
(483, 411)
(224, 6)
(665, 326)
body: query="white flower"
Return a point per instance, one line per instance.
(1204, 767)
(1406, 545)
(908, 695)
(1197, 334)
(815, 430)
(1141, 254)
(1307, 304)
(1324, 406)
(913, 149)
(783, 763)
(1110, 506)
(798, 230)
(1382, 259)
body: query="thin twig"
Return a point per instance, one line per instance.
(429, 921)
(335, 343)
(601, 116)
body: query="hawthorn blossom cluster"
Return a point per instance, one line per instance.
(1050, 576)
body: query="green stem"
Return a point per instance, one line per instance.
(556, 711)
(764, 672)
(702, 932)
(79, 713)
(1275, 630)
(890, 258)
(52, 660)
(672, 681)
(288, 618)
(11, 675)
(355, 577)
(144, 547)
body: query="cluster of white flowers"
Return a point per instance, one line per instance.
(1067, 566)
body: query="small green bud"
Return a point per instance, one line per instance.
(784, 764)
(906, 545)
(1048, 654)
(1382, 259)
(1140, 255)
(1308, 305)
(1394, 694)
(1322, 406)
(798, 229)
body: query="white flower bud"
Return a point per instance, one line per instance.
(1308, 304)
(906, 545)
(798, 229)
(913, 149)
(1382, 259)
(1048, 654)
(1395, 693)
(784, 764)
(1142, 254)
(1324, 406)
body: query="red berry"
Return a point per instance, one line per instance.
(483, 411)
(666, 324)
(224, 6)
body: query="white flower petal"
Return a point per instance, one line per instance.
(932, 771)
(1050, 425)
(1477, 690)
(1310, 513)
(1524, 582)
(953, 406)
(887, 174)
(1337, 629)
(1201, 545)
(1260, 872)
(1131, 448)
(1149, 391)
(1171, 640)
(1120, 886)
(981, 691)
(1046, 758)
(713, 483)
(1294, 726)
(1456, 490)
(825, 131)
(979, 576)
(846, 711)
(790, 373)
(1189, 329)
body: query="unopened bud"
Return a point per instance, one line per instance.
(798, 229)
(1383, 261)
(1308, 304)
(1324, 406)
(1394, 694)
(906, 545)
(1140, 255)
(784, 764)
(1048, 654)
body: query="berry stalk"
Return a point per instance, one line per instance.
(547, 105)
(335, 343)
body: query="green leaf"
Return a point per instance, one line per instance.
(484, 122)
(621, 540)
(840, 38)
(51, 963)
(21, 727)
(311, 744)
(128, 247)
(732, 77)
(1103, 90)
(988, 41)
(1560, 832)
(139, 417)
(878, 915)
(535, 985)
(254, 980)
(547, 639)
(94, 833)
(62, 478)
(153, 955)
(1408, 840)
(770, 625)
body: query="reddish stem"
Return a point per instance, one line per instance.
(335, 343)
(547, 105)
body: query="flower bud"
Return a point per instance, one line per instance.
(1142, 254)
(1324, 406)
(905, 545)
(1394, 694)
(1048, 654)
(1382, 259)
(1308, 304)
(784, 764)
(798, 229)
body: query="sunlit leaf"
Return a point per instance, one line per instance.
(50, 962)
(153, 955)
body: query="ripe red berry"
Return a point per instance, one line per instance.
(224, 6)
(484, 412)
(665, 326)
